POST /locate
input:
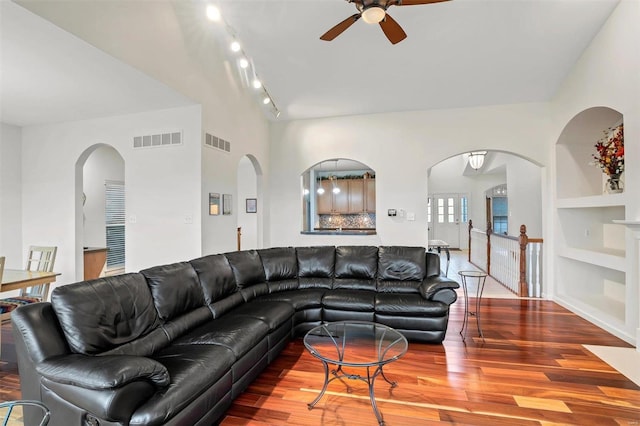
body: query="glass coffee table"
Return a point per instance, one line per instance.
(355, 344)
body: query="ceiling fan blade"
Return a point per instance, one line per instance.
(392, 30)
(415, 2)
(338, 29)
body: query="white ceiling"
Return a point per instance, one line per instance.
(460, 53)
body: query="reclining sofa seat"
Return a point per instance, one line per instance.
(175, 344)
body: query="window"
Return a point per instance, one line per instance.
(115, 224)
(464, 210)
(440, 210)
(450, 211)
(429, 210)
(500, 212)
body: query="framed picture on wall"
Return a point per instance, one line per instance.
(252, 205)
(226, 203)
(214, 204)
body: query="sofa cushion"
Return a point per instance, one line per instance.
(408, 305)
(316, 262)
(279, 263)
(175, 289)
(239, 333)
(216, 277)
(402, 263)
(300, 299)
(356, 262)
(102, 314)
(247, 267)
(193, 370)
(272, 313)
(349, 300)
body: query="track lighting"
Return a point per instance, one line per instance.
(235, 46)
(213, 13)
(244, 63)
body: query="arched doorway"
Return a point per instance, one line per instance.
(505, 188)
(250, 205)
(100, 213)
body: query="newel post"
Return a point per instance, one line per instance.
(489, 232)
(470, 228)
(239, 237)
(523, 240)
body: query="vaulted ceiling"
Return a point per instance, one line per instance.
(459, 53)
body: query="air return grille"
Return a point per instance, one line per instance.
(158, 139)
(217, 143)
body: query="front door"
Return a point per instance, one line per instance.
(447, 218)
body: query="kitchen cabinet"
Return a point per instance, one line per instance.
(355, 196)
(370, 195)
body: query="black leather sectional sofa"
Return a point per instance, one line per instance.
(175, 344)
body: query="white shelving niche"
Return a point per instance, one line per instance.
(591, 248)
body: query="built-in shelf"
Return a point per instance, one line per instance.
(592, 244)
(607, 258)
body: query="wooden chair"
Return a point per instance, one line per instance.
(39, 259)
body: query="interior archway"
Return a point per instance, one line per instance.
(100, 178)
(250, 204)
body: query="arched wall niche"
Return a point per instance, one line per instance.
(576, 174)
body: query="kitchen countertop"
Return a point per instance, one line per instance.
(343, 231)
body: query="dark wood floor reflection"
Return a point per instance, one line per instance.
(531, 370)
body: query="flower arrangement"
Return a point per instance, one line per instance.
(609, 154)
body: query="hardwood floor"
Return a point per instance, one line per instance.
(531, 370)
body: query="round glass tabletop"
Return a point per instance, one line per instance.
(355, 343)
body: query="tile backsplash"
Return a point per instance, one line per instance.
(356, 221)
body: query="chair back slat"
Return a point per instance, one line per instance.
(41, 258)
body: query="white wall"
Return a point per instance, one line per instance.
(103, 164)
(11, 196)
(400, 147)
(162, 187)
(608, 74)
(525, 196)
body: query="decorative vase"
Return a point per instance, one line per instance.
(614, 184)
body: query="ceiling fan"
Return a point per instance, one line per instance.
(375, 11)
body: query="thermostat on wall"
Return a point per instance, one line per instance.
(392, 212)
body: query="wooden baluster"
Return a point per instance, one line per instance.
(239, 236)
(489, 232)
(523, 240)
(470, 228)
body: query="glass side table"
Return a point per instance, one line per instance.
(481, 278)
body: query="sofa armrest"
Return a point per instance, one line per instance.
(430, 286)
(103, 372)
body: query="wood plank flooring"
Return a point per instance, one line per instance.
(531, 370)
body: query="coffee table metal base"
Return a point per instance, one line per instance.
(370, 380)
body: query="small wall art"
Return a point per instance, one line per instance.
(214, 204)
(226, 204)
(252, 205)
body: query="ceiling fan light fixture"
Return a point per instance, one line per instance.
(373, 14)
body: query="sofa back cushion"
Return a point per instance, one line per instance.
(175, 289)
(102, 314)
(247, 267)
(433, 264)
(402, 263)
(216, 277)
(249, 273)
(356, 267)
(316, 262)
(279, 263)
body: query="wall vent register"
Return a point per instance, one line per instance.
(217, 143)
(158, 139)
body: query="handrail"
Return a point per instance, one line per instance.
(518, 259)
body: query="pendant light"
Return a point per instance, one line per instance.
(476, 159)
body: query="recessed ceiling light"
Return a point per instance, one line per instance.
(244, 63)
(266, 100)
(213, 13)
(256, 83)
(235, 46)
